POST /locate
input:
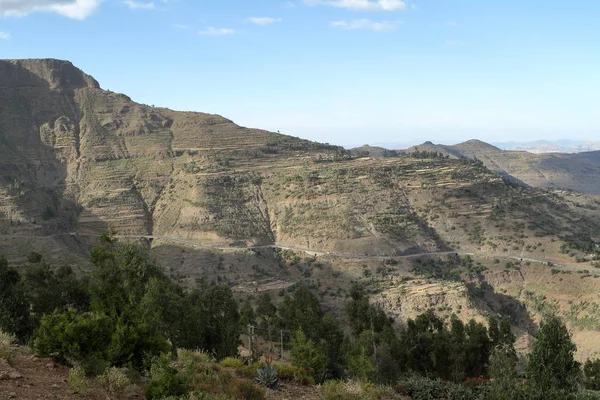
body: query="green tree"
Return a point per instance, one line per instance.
(15, 317)
(552, 370)
(71, 337)
(309, 355)
(49, 290)
(502, 369)
(591, 374)
(220, 320)
(361, 366)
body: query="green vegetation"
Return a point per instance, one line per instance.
(127, 320)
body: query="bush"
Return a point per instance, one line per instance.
(70, 337)
(591, 374)
(231, 362)
(115, 381)
(6, 341)
(428, 389)
(294, 374)
(77, 381)
(165, 381)
(352, 390)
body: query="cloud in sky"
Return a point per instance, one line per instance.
(135, 5)
(367, 24)
(76, 9)
(211, 31)
(4, 36)
(264, 21)
(362, 5)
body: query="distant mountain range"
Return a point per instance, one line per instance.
(568, 170)
(573, 171)
(555, 146)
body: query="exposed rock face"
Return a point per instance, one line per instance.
(78, 159)
(50, 73)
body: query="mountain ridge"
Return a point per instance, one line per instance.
(217, 202)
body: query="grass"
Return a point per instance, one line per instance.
(6, 342)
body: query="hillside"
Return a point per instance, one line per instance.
(576, 172)
(262, 211)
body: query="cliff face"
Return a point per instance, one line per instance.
(76, 158)
(49, 73)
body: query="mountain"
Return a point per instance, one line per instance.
(555, 146)
(261, 211)
(578, 172)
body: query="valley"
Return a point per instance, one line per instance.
(263, 212)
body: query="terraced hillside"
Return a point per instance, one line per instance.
(578, 172)
(263, 211)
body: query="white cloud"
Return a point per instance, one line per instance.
(362, 5)
(264, 21)
(367, 24)
(76, 9)
(4, 36)
(135, 5)
(210, 31)
(181, 26)
(451, 24)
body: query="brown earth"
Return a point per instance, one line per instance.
(578, 172)
(216, 202)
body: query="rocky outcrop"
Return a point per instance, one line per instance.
(50, 73)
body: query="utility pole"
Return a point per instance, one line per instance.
(251, 340)
(281, 343)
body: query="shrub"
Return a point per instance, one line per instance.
(6, 341)
(231, 362)
(293, 373)
(77, 381)
(352, 390)
(71, 337)
(165, 381)
(591, 374)
(428, 389)
(245, 389)
(115, 381)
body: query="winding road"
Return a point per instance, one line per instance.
(318, 253)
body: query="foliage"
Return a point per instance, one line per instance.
(70, 337)
(165, 380)
(552, 370)
(505, 383)
(320, 331)
(115, 381)
(591, 374)
(419, 388)
(15, 317)
(339, 390)
(267, 376)
(49, 289)
(77, 380)
(293, 373)
(309, 355)
(6, 341)
(232, 362)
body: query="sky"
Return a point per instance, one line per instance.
(346, 72)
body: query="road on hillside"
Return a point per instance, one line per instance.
(318, 253)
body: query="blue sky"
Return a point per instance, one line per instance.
(339, 71)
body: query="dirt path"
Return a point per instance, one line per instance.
(319, 253)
